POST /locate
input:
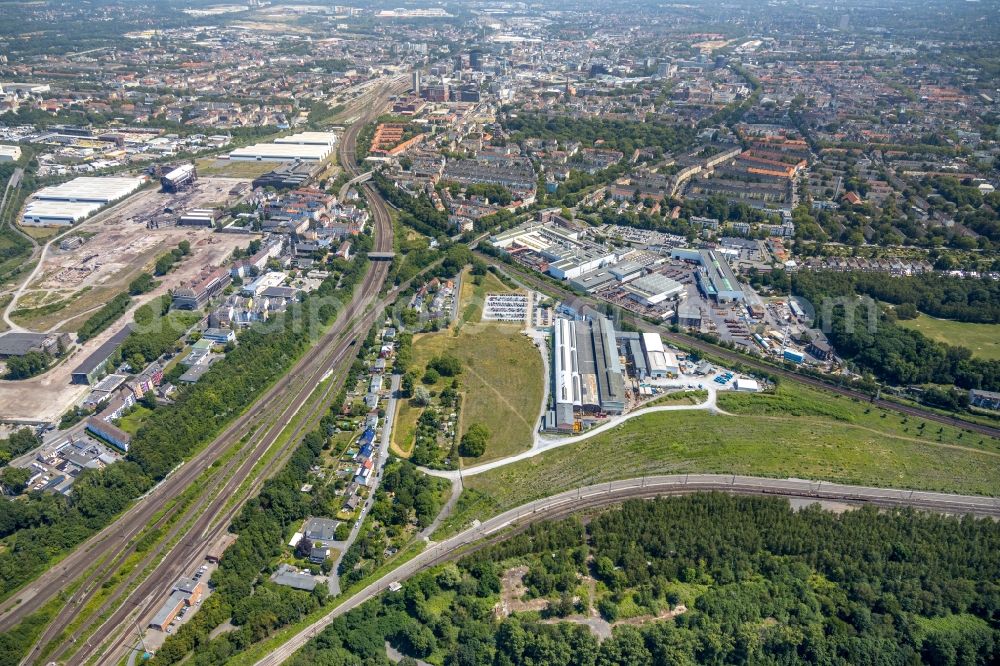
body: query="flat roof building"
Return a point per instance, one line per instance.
(92, 367)
(18, 343)
(588, 374)
(9, 153)
(281, 152)
(309, 139)
(101, 189)
(73, 201)
(654, 288)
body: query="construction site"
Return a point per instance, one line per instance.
(82, 271)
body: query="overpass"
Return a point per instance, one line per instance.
(357, 180)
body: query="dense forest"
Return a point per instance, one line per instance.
(746, 579)
(941, 296)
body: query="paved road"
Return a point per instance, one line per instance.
(543, 443)
(691, 342)
(356, 319)
(609, 493)
(333, 582)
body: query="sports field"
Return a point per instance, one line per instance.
(982, 339)
(797, 433)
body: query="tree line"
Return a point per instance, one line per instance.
(891, 352)
(761, 583)
(45, 525)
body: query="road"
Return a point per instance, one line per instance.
(683, 340)
(276, 407)
(610, 493)
(333, 582)
(543, 443)
(334, 352)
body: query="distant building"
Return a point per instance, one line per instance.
(179, 179)
(9, 153)
(984, 399)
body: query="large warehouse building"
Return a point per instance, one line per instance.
(73, 201)
(715, 277)
(309, 139)
(588, 373)
(303, 147)
(178, 179)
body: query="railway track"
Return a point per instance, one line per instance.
(216, 518)
(684, 340)
(581, 499)
(113, 545)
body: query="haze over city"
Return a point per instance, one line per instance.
(488, 333)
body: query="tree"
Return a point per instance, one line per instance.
(446, 365)
(474, 441)
(142, 284)
(14, 479)
(431, 376)
(421, 396)
(29, 365)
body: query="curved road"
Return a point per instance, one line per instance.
(543, 444)
(617, 491)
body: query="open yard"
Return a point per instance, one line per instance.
(500, 384)
(797, 433)
(472, 295)
(74, 283)
(982, 339)
(212, 166)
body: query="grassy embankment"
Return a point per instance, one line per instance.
(798, 432)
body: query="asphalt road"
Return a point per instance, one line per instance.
(351, 323)
(278, 405)
(609, 493)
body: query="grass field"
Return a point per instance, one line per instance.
(404, 429)
(211, 166)
(471, 296)
(41, 234)
(796, 433)
(982, 339)
(501, 383)
(130, 422)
